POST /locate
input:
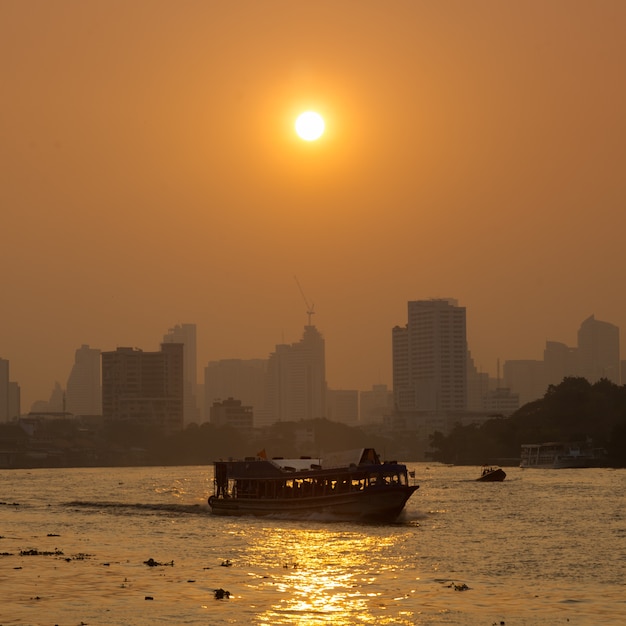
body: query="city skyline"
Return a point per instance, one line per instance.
(175, 331)
(150, 175)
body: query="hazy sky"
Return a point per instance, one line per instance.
(150, 175)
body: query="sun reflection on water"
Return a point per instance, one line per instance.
(323, 576)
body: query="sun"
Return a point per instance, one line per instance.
(310, 126)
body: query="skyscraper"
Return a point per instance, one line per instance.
(430, 357)
(144, 387)
(296, 380)
(559, 361)
(598, 350)
(83, 395)
(186, 334)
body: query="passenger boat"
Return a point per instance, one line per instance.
(491, 474)
(559, 455)
(353, 485)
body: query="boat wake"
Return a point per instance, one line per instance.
(125, 507)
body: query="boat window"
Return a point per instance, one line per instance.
(358, 484)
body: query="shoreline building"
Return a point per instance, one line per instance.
(430, 357)
(186, 334)
(144, 387)
(83, 392)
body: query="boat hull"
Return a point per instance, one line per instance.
(494, 476)
(374, 504)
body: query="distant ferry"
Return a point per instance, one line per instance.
(352, 485)
(559, 455)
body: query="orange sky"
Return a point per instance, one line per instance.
(149, 175)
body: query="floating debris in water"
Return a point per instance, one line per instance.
(148, 598)
(34, 552)
(461, 587)
(220, 594)
(226, 563)
(81, 556)
(152, 563)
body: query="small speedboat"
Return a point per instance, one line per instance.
(490, 474)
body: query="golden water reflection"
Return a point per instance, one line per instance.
(322, 576)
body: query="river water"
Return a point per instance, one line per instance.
(542, 547)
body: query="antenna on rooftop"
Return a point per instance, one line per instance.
(310, 308)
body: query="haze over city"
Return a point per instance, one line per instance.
(150, 175)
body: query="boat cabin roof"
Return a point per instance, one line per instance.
(261, 467)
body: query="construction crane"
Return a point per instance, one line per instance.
(310, 308)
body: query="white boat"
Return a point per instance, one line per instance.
(560, 455)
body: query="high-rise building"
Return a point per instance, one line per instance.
(296, 380)
(186, 334)
(559, 361)
(598, 351)
(430, 357)
(145, 387)
(83, 394)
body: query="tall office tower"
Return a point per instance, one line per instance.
(83, 394)
(296, 380)
(242, 379)
(559, 361)
(4, 390)
(598, 350)
(403, 388)
(144, 387)
(186, 334)
(430, 357)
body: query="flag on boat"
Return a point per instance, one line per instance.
(262, 454)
